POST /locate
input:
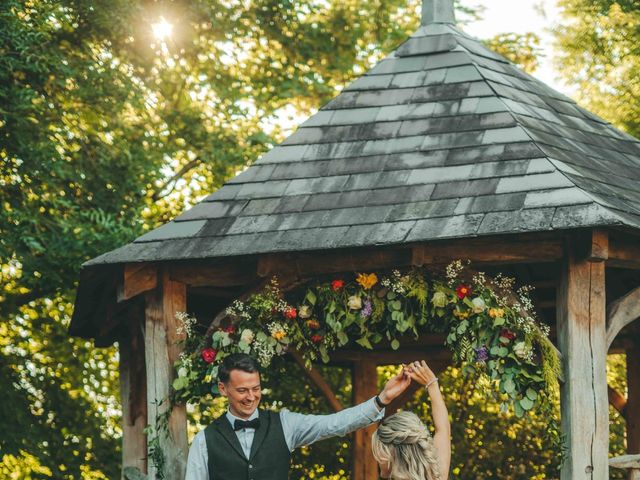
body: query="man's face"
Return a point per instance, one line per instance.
(243, 392)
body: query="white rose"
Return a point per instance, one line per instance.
(355, 302)
(521, 350)
(247, 336)
(304, 311)
(478, 305)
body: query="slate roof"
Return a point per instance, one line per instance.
(443, 138)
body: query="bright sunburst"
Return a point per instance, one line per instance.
(162, 30)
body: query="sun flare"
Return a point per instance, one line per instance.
(162, 30)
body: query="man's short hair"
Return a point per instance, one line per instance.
(237, 361)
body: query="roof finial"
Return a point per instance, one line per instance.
(438, 11)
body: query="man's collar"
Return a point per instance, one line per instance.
(232, 418)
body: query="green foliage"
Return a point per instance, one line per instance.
(599, 57)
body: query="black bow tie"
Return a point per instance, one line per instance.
(240, 424)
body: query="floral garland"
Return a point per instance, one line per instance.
(490, 328)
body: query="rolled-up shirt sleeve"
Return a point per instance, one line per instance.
(197, 468)
(300, 429)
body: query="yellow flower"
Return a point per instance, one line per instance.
(279, 334)
(367, 281)
(207, 379)
(496, 312)
(461, 315)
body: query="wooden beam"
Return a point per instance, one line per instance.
(627, 462)
(582, 339)
(137, 278)
(633, 400)
(617, 400)
(365, 386)
(438, 354)
(491, 250)
(161, 351)
(599, 248)
(318, 380)
(622, 312)
(133, 395)
(207, 275)
(624, 253)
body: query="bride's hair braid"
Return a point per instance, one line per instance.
(404, 442)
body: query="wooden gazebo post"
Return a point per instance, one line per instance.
(582, 340)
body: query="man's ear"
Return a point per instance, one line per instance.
(222, 389)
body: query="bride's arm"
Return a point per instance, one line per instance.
(421, 373)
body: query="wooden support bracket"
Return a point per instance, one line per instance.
(318, 380)
(599, 248)
(622, 312)
(137, 278)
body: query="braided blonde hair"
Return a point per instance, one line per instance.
(404, 443)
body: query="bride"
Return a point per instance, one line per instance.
(402, 445)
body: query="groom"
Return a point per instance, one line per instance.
(250, 444)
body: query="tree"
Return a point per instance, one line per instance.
(599, 56)
(106, 132)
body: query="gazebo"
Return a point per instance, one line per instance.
(443, 150)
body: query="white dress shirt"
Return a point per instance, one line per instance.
(299, 429)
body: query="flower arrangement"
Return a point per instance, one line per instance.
(490, 328)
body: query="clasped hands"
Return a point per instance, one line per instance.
(418, 371)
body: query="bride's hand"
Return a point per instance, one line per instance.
(420, 372)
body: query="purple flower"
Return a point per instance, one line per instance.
(482, 354)
(367, 308)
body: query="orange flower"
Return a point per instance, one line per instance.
(313, 324)
(279, 334)
(367, 280)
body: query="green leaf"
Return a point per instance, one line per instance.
(508, 385)
(531, 394)
(519, 410)
(526, 403)
(395, 344)
(364, 342)
(310, 297)
(498, 321)
(462, 327)
(343, 339)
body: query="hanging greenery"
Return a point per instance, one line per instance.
(490, 328)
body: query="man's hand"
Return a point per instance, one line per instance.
(394, 387)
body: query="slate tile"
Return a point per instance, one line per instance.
(440, 174)
(432, 93)
(561, 196)
(226, 192)
(533, 182)
(266, 189)
(538, 219)
(422, 210)
(355, 116)
(255, 173)
(376, 98)
(583, 216)
(411, 160)
(401, 112)
(377, 234)
(207, 210)
(452, 140)
(335, 150)
(448, 59)
(215, 227)
(429, 125)
(261, 206)
(468, 188)
(304, 186)
(401, 194)
(505, 135)
(445, 227)
(398, 65)
(426, 45)
(371, 82)
(499, 169)
(254, 224)
(401, 144)
(173, 230)
(490, 203)
(409, 79)
(490, 105)
(344, 100)
(467, 73)
(311, 239)
(322, 117)
(283, 153)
